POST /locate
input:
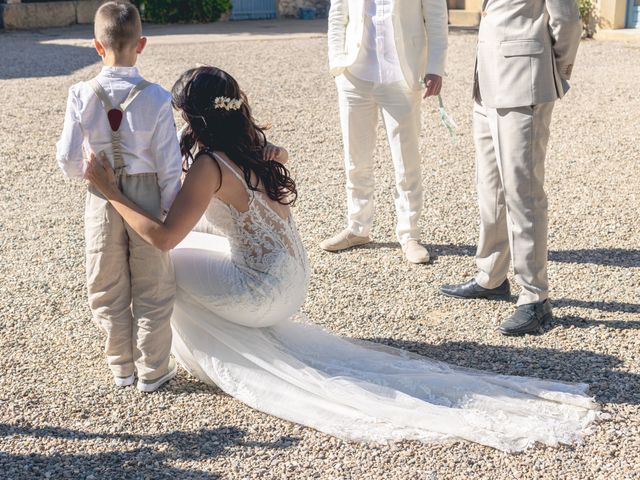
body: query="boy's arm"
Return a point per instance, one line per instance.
(168, 157)
(69, 147)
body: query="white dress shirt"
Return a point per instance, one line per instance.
(148, 131)
(378, 57)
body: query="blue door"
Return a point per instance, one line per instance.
(633, 14)
(253, 9)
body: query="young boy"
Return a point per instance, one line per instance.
(131, 284)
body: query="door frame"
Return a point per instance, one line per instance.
(633, 15)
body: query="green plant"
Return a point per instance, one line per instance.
(588, 13)
(181, 11)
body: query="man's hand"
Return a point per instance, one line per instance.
(433, 85)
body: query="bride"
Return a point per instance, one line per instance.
(241, 274)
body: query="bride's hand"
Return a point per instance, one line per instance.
(273, 152)
(100, 173)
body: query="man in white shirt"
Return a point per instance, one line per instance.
(383, 53)
(130, 283)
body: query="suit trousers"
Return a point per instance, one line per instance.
(359, 102)
(131, 284)
(511, 145)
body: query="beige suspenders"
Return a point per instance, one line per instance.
(115, 115)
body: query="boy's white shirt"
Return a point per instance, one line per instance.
(148, 131)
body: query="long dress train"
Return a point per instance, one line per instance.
(241, 282)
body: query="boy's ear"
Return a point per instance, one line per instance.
(99, 48)
(142, 42)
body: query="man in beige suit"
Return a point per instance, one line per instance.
(383, 53)
(526, 50)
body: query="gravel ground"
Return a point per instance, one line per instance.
(61, 418)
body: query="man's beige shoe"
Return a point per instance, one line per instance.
(415, 253)
(345, 239)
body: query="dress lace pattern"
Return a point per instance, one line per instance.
(242, 278)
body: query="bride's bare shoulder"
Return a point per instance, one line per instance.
(205, 167)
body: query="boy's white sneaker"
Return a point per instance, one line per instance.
(149, 386)
(124, 381)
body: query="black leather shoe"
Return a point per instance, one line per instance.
(471, 289)
(527, 318)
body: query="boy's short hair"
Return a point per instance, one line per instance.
(117, 25)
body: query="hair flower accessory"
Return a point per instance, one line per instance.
(227, 103)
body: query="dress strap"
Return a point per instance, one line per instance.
(234, 171)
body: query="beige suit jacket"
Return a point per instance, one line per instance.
(526, 51)
(420, 33)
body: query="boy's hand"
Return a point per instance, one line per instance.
(100, 173)
(273, 152)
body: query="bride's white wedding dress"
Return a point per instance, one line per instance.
(241, 282)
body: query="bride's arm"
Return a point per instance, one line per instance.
(199, 186)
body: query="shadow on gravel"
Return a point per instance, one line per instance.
(609, 257)
(148, 456)
(599, 371)
(603, 306)
(581, 322)
(31, 59)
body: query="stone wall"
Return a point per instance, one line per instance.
(289, 8)
(464, 13)
(16, 15)
(612, 14)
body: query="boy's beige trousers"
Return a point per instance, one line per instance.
(131, 284)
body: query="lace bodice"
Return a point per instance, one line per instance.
(260, 239)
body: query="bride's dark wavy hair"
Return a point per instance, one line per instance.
(232, 131)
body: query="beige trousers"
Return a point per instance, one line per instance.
(359, 102)
(511, 146)
(131, 284)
